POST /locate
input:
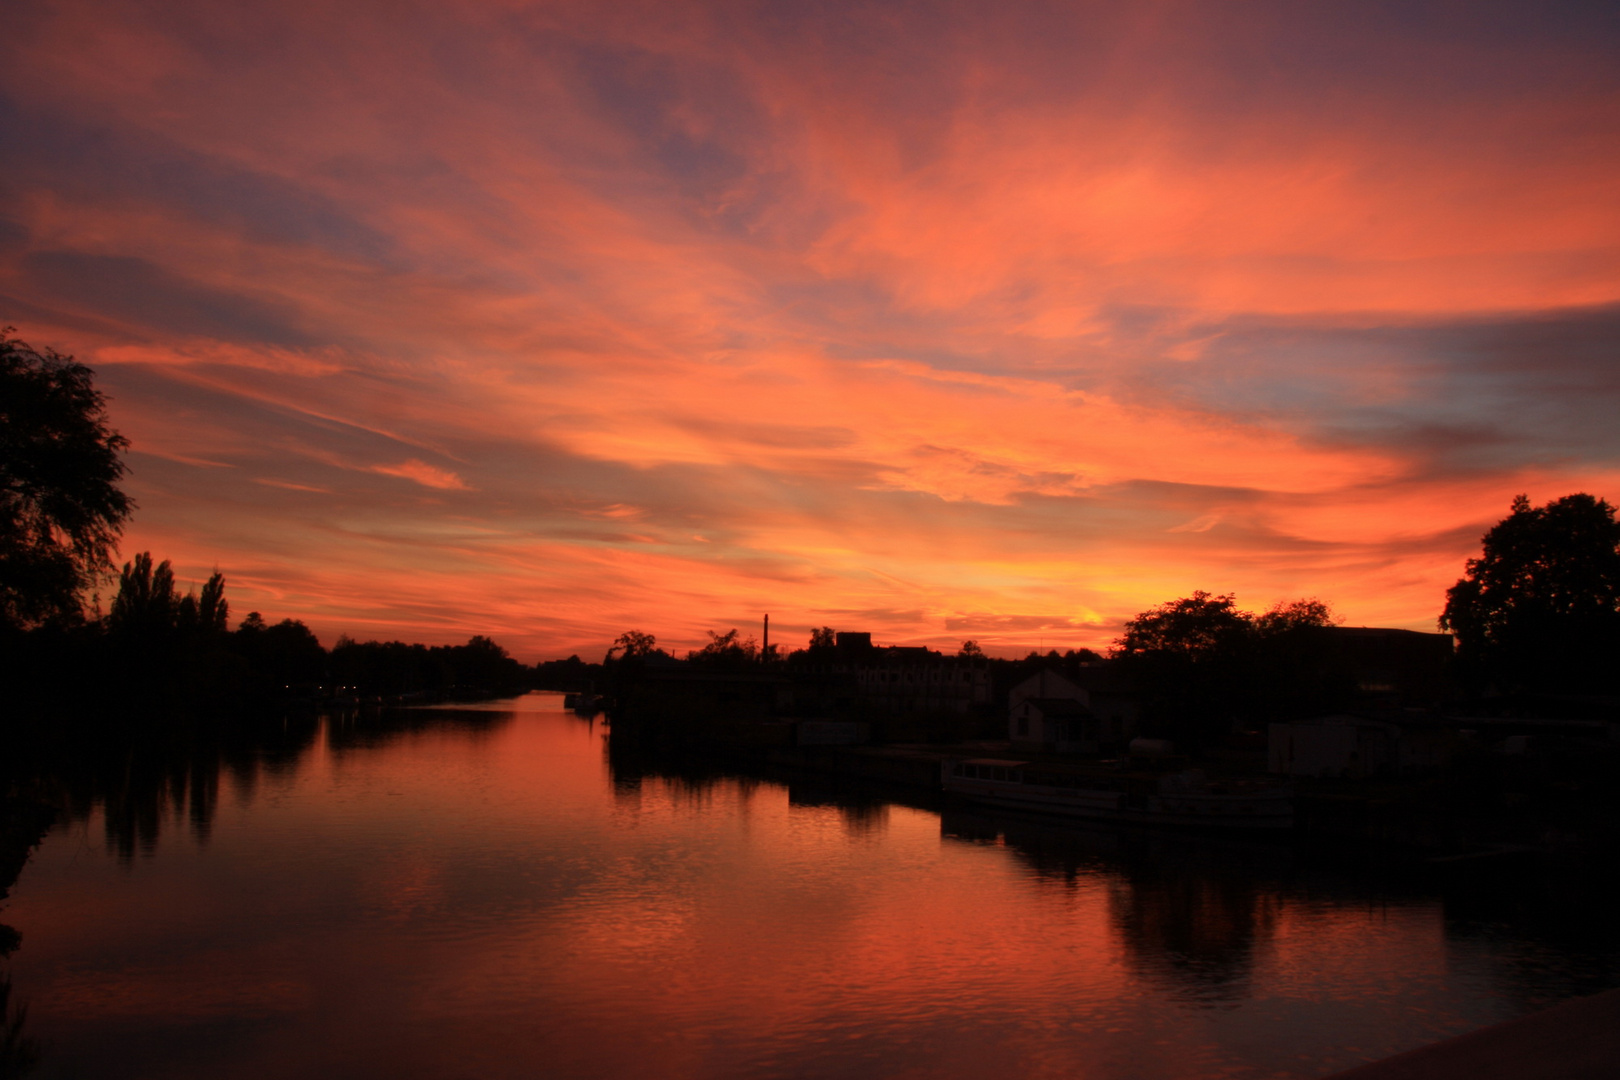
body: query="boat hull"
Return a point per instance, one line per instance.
(1259, 810)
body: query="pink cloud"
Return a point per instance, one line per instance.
(937, 342)
(423, 473)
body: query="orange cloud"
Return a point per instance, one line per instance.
(423, 473)
(1013, 324)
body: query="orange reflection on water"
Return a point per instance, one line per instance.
(484, 893)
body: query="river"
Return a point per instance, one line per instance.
(487, 892)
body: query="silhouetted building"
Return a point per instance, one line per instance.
(857, 676)
(1404, 665)
(1051, 712)
(917, 680)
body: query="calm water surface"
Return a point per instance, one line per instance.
(482, 893)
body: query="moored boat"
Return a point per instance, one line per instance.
(1182, 799)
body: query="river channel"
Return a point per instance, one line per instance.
(489, 892)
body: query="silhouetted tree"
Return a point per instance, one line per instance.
(1206, 668)
(1193, 659)
(483, 664)
(633, 644)
(1197, 627)
(824, 638)
(570, 674)
(1297, 668)
(1539, 610)
(388, 667)
(60, 508)
(726, 650)
(286, 654)
(145, 603)
(1293, 616)
(207, 614)
(165, 650)
(970, 651)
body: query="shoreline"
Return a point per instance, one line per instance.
(1577, 1039)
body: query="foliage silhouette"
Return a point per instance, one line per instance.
(726, 650)
(145, 602)
(208, 613)
(285, 657)
(633, 645)
(162, 656)
(1206, 668)
(61, 511)
(570, 674)
(1294, 616)
(1196, 628)
(479, 668)
(1539, 610)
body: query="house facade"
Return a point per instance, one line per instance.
(1053, 713)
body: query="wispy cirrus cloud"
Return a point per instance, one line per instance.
(422, 473)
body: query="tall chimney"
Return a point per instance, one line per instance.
(765, 650)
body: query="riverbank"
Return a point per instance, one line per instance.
(1446, 821)
(1576, 1040)
(23, 824)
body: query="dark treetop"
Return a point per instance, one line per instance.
(60, 507)
(1539, 610)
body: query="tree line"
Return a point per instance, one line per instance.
(160, 650)
(155, 649)
(1536, 615)
(1535, 620)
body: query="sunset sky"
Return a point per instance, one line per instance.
(943, 321)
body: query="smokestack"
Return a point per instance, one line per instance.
(765, 650)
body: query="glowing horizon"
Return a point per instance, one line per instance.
(546, 324)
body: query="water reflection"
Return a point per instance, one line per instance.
(141, 782)
(1194, 914)
(862, 809)
(1188, 914)
(687, 782)
(372, 730)
(496, 892)
(1197, 933)
(864, 814)
(18, 1053)
(22, 825)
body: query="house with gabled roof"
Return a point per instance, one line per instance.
(1051, 712)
